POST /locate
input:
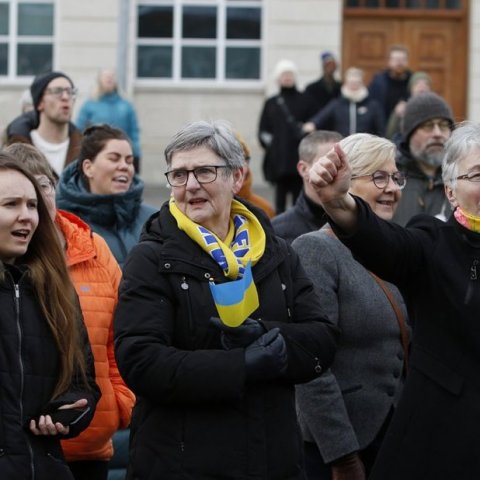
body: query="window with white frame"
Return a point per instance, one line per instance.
(26, 37)
(184, 40)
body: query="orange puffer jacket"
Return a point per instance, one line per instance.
(96, 275)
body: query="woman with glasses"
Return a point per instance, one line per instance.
(216, 322)
(101, 187)
(434, 431)
(96, 276)
(345, 412)
(45, 360)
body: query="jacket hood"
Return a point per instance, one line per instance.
(78, 235)
(120, 209)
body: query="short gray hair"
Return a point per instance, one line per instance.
(366, 153)
(216, 135)
(463, 140)
(308, 147)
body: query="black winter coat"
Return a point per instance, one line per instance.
(434, 431)
(196, 417)
(278, 136)
(29, 368)
(347, 117)
(303, 217)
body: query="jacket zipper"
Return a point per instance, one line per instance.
(317, 367)
(20, 361)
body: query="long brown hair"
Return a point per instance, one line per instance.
(53, 288)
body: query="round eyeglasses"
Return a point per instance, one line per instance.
(46, 186)
(204, 174)
(381, 179)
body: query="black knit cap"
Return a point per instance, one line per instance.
(421, 108)
(40, 83)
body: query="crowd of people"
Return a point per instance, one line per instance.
(221, 337)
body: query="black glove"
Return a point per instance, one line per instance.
(241, 336)
(349, 467)
(266, 358)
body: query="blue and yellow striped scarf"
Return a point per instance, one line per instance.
(244, 246)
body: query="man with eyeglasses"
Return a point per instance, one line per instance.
(427, 125)
(48, 127)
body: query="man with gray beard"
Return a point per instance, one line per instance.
(427, 125)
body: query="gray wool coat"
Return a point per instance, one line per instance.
(343, 410)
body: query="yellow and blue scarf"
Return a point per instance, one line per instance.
(243, 247)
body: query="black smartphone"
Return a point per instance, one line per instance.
(69, 416)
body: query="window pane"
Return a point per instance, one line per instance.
(454, 4)
(155, 22)
(34, 58)
(392, 3)
(35, 19)
(4, 18)
(243, 63)
(154, 62)
(199, 22)
(243, 23)
(3, 58)
(198, 62)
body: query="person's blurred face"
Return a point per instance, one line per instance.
(48, 191)
(18, 214)
(383, 201)
(107, 81)
(57, 101)
(329, 67)
(286, 79)
(207, 204)
(111, 171)
(398, 62)
(466, 194)
(354, 82)
(420, 86)
(427, 143)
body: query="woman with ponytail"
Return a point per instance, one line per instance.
(45, 359)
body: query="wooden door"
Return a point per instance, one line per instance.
(437, 41)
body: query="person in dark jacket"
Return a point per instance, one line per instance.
(344, 414)
(390, 86)
(427, 125)
(327, 87)
(353, 112)
(216, 323)
(45, 359)
(280, 130)
(102, 188)
(434, 431)
(307, 214)
(48, 127)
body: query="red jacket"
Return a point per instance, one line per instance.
(96, 275)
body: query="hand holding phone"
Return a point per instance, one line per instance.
(68, 416)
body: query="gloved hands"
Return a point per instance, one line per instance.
(266, 358)
(239, 337)
(349, 467)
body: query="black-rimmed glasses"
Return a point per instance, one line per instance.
(59, 91)
(204, 174)
(381, 179)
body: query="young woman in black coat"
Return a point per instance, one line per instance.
(45, 360)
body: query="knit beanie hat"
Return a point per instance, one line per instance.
(284, 66)
(326, 56)
(40, 83)
(421, 108)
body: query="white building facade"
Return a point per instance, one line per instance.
(180, 60)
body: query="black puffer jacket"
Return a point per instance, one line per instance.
(29, 367)
(196, 417)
